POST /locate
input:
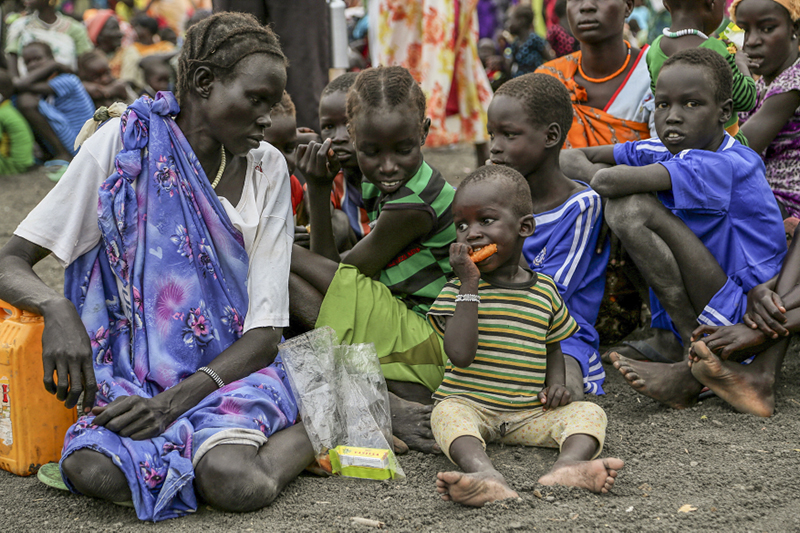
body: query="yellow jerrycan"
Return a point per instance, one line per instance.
(32, 421)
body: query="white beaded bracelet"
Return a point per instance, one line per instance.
(213, 375)
(468, 298)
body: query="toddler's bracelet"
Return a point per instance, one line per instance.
(213, 375)
(468, 298)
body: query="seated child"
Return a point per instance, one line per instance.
(773, 125)
(697, 21)
(710, 233)
(529, 118)
(95, 74)
(408, 204)
(156, 74)
(282, 134)
(773, 314)
(502, 326)
(528, 51)
(53, 101)
(16, 138)
(346, 193)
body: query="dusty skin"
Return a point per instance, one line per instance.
(739, 471)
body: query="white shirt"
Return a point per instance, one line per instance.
(66, 221)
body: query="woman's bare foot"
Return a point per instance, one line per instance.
(596, 476)
(411, 423)
(744, 389)
(476, 489)
(670, 384)
(662, 341)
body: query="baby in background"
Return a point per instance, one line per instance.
(505, 380)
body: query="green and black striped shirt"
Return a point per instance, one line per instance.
(515, 325)
(418, 273)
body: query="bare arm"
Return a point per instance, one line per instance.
(142, 418)
(66, 349)
(461, 332)
(36, 81)
(583, 163)
(555, 392)
(762, 128)
(622, 180)
(13, 71)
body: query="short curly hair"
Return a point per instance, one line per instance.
(340, 84)
(544, 98)
(519, 192)
(385, 86)
(219, 42)
(718, 69)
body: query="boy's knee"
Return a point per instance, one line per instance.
(233, 483)
(94, 474)
(590, 412)
(627, 211)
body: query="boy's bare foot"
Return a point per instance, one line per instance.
(745, 390)
(670, 384)
(596, 476)
(476, 489)
(411, 423)
(660, 340)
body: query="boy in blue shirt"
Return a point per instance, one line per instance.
(710, 233)
(528, 121)
(53, 101)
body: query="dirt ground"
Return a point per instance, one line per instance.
(704, 468)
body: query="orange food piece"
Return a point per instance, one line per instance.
(483, 254)
(324, 461)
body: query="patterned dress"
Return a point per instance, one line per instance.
(436, 40)
(782, 156)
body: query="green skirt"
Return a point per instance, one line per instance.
(362, 310)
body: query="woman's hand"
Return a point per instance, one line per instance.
(554, 396)
(727, 340)
(765, 311)
(135, 417)
(317, 163)
(302, 237)
(462, 264)
(67, 351)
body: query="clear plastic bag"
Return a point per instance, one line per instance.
(343, 401)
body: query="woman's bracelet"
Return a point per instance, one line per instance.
(468, 298)
(213, 375)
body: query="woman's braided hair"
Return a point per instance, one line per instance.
(385, 86)
(220, 41)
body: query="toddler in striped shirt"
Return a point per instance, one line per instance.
(502, 325)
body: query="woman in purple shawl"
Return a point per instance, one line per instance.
(174, 223)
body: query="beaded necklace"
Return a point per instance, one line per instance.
(681, 33)
(612, 76)
(221, 169)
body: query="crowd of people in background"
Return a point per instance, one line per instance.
(636, 159)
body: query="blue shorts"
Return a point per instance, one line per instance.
(589, 360)
(726, 308)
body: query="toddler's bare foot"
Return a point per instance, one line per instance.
(597, 476)
(747, 391)
(475, 489)
(670, 384)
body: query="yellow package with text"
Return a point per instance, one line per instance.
(364, 463)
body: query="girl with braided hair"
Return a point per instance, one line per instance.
(175, 225)
(407, 250)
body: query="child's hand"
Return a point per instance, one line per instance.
(462, 264)
(726, 340)
(317, 163)
(554, 396)
(765, 311)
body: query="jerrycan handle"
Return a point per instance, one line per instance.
(8, 311)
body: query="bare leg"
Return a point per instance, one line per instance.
(411, 406)
(480, 483)
(95, 475)
(747, 388)
(241, 478)
(575, 469)
(674, 262)
(304, 302)
(28, 105)
(574, 378)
